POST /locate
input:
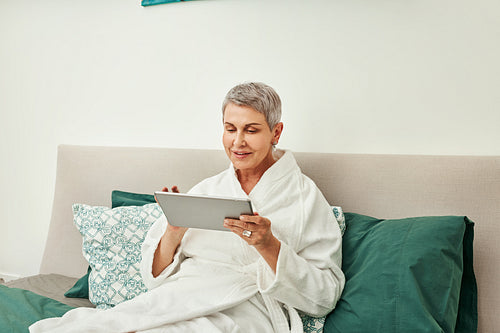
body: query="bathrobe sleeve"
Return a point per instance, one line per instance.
(150, 245)
(308, 275)
(148, 250)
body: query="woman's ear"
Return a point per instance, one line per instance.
(277, 130)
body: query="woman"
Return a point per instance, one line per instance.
(283, 260)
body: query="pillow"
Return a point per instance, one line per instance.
(407, 275)
(80, 288)
(313, 324)
(112, 240)
(118, 199)
(121, 198)
(339, 216)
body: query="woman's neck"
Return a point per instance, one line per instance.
(248, 178)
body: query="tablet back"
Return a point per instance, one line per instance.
(202, 212)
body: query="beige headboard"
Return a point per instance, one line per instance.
(378, 185)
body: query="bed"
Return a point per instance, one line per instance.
(381, 196)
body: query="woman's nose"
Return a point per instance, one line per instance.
(239, 140)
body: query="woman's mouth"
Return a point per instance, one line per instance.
(241, 154)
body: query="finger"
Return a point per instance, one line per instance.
(239, 231)
(175, 189)
(235, 229)
(256, 219)
(165, 189)
(241, 225)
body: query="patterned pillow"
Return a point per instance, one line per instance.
(313, 324)
(112, 240)
(339, 216)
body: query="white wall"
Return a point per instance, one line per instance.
(414, 77)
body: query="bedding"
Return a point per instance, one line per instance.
(430, 288)
(391, 186)
(376, 235)
(20, 308)
(407, 275)
(50, 285)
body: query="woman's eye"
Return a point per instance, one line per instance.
(251, 131)
(230, 130)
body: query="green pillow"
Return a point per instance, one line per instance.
(121, 198)
(406, 275)
(81, 287)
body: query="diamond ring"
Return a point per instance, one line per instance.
(246, 233)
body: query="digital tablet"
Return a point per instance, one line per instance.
(200, 211)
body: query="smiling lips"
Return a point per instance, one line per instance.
(241, 154)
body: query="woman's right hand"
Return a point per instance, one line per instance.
(169, 242)
(175, 189)
(170, 228)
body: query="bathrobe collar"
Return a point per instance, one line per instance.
(282, 168)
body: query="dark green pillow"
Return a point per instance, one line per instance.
(406, 275)
(121, 198)
(81, 287)
(118, 199)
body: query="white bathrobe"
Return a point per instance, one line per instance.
(218, 283)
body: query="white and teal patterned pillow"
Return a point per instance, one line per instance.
(313, 324)
(112, 240)
(339, 215)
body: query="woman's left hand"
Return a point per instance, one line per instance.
(256, 231)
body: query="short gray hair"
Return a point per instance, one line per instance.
(258, 96)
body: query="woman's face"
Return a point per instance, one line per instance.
(248, 139)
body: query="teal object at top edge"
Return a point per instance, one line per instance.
(159, 2)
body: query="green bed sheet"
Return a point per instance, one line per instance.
(20, 308)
